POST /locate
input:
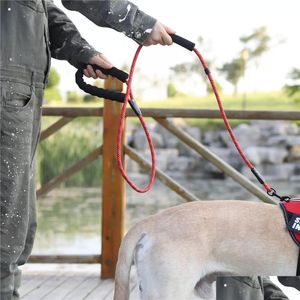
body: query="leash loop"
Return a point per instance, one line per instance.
(130, 99)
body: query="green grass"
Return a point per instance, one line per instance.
(254, 101)
(276, 100)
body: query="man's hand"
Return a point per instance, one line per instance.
(160, 34)
(101, 61)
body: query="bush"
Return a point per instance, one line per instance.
(65, 148)
(171, 90)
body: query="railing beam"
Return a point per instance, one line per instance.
(65, 259)
(178, 113)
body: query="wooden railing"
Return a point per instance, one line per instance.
(113, 186)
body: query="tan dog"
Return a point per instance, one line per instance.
(179, 252)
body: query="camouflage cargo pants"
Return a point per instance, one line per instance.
(20, 113)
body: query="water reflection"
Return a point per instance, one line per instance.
(69, 222)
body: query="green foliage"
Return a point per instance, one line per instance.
(52, 95)
(234, 71)
(194, 66)
(210, 91)
(171, 90)
(257, 43)
(65, 148)
(73, 97)
(53, 79)
(293, 90)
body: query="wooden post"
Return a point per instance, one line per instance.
(113, 186)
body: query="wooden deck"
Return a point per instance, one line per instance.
(67, 282)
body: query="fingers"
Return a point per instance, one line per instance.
(160, 34)
(99, 60)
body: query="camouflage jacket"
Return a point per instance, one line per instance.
(120, 15)
(32, 31)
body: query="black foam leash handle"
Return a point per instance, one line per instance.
(183, 42)
(114, 72)
(95, 91)
(99, 92)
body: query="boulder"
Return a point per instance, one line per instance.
(139, 140)
(246, 135)
(294, 153)
(260, 155)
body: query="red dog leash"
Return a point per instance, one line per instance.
(290, 207)
(189, 46)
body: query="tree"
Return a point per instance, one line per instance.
(171, 90)
(234, 71)
(53, 79)
(293, 90)
(257, 43)
(195, 67)
(254, 46)
(73, 97)
(52, 92)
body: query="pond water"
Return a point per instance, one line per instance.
(69, 220)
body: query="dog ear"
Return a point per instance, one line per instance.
(291, 281)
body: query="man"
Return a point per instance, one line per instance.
(30, 33)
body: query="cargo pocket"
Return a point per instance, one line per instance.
(18, 95)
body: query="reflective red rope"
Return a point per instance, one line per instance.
(129, 96)
(121, 130)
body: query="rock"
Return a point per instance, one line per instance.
(164, 157)
(139, 140)
(260, 155)
(246, 135)
(169, 140)
(284, 128)
(271, 172)
(195, 133)
(294, 153)
(279, 172)
(283, 140)
(212, 138)
(131, 165)
(182, 164)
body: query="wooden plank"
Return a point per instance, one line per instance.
(163, 177)
(101, 291)
(83, 289)
(113, 186)
(67, 287)
(33, 283)
(178, 113)
(50, 185)
(216, 161)
(62, 259)
(55, 127)
(45, 288)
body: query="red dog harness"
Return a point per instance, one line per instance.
(291, 211)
